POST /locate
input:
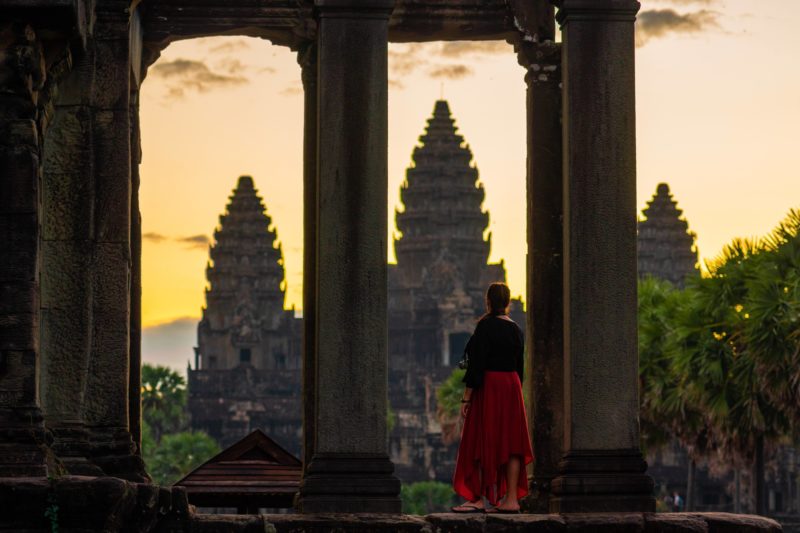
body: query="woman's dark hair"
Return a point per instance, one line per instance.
(498, 298)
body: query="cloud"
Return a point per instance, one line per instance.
(154, 237)
(462, 48)
(657, 23)
(450, 72)
(294, 90)
(171, 343)
(231, 65)
(231, 46)
(195, 241)
(182, 74)
(405, 59)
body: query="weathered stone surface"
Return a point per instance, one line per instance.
(604, 522)
(731, 523)
(541, 523)
(674, 523)
(456, 523)
(19, 181)
(323, 523)
(229, 523)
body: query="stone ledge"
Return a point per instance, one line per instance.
(88, 504)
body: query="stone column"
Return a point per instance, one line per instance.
(67, 199)
(23, 440)
(544, 336)
(350, 470)
(603, 468)
(308, 62)
(135, 359)
(107, 397)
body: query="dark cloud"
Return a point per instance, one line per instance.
(194, 241)
(462, 48)
(405, 59)
(232, 66)
(231, 46)
(450, 72)
(154, 237)
(656, 23)
(183, 74)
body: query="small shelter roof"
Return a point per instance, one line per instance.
(254, 472)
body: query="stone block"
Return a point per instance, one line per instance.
(15, 297)
(64, 280)
(19, 133)
(674, 523)
(456, 523)
(604, 522)
(64, 357)
(207, 523)
(737, 523)
(67, 146)
(366, 523)
(19, 181)
(540, 523)
(95, 504)
(110, 274)
(67, 206)
(19, 331)
(112, 73)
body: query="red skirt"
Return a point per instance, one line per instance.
(496, 428)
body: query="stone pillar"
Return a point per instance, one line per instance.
(544, 336)
(308, 62)
(350, 470)
(23, 440)
(135, 359)
(603, 468)
(107, 397)
(66, 321)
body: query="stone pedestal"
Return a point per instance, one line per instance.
(23, 439)
(602, 469)
(350, 470)
(545, 380)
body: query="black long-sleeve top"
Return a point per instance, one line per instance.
(497, 344)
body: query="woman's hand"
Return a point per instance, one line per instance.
(465, 409)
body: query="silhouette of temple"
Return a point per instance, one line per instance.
(247, 362)
(666, 247)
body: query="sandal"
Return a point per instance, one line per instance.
(468, 507)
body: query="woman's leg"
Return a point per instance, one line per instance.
(509, 501)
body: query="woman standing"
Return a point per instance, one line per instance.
(495, 445)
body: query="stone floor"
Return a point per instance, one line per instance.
(80, 504)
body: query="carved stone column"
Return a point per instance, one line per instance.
(66, 322)
(23, 440)
(603, 468)
(545, 299)
(308, 62)
(107, 396)
(350, 470)
(135, 359)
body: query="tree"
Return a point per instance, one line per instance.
(426, 497)
(163, 400)
(448, 405)
(178, 454)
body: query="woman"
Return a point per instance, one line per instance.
(495, 446)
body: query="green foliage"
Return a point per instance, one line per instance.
(178, 454)
(163, 400)
(391, 418)
(168, 449)
(449, 394)
(426, 497)
(720, 360)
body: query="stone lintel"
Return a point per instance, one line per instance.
(607, 10)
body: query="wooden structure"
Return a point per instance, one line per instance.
(253, 473)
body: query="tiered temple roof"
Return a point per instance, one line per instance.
(442, 199)
(666, 246)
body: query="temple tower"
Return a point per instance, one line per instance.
(666, 246)
(244, 321)
(436, 291)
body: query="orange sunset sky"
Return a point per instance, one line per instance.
(717, 113)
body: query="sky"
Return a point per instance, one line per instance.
(717, 112)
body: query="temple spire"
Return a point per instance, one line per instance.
(666, 246)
